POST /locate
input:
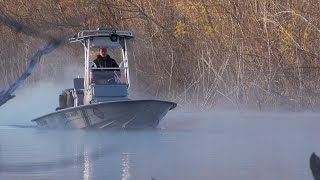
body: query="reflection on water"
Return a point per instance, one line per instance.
(188, 146)
(86, 164)
(125, 166)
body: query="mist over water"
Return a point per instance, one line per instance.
(36, 99)
(30, 103)
(220, 144)
(210, 145)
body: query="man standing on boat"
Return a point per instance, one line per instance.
(106, 76)
(103, 60)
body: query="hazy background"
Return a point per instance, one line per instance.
(245, 75)
(263, 55)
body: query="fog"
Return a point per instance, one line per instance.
(187, 145)
(36, 99)
(222, 143)
(217, 144)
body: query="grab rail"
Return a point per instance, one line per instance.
(115, 68)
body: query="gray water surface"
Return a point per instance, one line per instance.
(216, 145)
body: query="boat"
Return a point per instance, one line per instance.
(100, 99)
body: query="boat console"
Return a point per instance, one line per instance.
(99, 84)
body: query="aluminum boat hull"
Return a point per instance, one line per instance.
(117, 114)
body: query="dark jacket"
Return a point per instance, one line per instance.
(105, 62)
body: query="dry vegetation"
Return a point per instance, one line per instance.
(260, 53)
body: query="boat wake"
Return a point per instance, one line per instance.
(21, 126)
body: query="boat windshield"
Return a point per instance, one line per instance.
(107, 77)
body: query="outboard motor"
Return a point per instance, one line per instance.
(66, 99)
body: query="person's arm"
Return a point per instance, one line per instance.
(96, 62)
(115, 64)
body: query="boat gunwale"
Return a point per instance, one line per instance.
(100, 103)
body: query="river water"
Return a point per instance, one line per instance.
(215, 145)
